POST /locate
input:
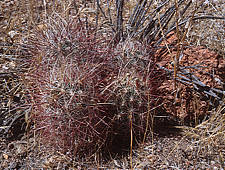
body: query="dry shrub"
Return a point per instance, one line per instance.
(208, 137)
(208, 32)
(86, 93)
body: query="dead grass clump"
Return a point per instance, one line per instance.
(208, 137)
(209, 32)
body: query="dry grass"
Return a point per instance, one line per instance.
(208, 137)
(209, 33)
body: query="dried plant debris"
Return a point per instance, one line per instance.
(210, 33)
(208, 138)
